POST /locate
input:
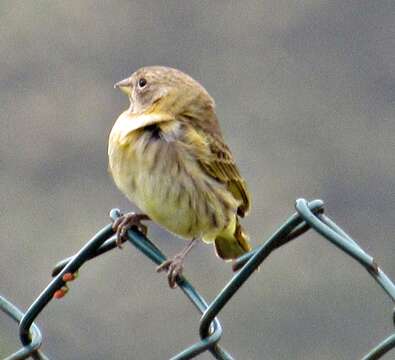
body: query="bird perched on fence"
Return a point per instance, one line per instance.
(167, 155)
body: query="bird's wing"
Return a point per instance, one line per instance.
(217, 161)
(222, 167)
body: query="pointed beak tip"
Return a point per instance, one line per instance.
(122, 83)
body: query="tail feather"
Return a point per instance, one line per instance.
(231, 245)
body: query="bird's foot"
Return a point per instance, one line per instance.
(126, 222)
(174, 269)
(175, 265)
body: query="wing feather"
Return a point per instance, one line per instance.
(222, 167)
(217, 161)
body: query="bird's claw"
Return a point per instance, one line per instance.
(174, 268)
(125, 222)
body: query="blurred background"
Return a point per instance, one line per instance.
(305, 93)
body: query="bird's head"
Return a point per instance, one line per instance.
(165, 90)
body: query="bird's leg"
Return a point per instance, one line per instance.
(127, 221)
(175, 266)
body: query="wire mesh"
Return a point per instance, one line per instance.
(308, 216)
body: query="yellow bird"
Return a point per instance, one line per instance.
(167, 155)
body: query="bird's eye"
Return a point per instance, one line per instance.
(142, 82)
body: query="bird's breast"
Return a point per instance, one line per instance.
(167, 183)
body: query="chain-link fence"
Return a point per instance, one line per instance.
(308, 216)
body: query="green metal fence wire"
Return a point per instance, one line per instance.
(307, 216)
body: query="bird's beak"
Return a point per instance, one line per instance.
(124, 85)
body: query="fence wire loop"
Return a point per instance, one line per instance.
(308, 216)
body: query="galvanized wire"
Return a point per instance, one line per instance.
(30, 350)
(308, 216)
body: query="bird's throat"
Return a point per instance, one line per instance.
(128, 123)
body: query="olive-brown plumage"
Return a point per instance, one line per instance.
(167, 155)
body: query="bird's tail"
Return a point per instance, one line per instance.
(231, 244)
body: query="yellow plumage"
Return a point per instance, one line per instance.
(167, 155)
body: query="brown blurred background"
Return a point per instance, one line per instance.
(305, 93)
